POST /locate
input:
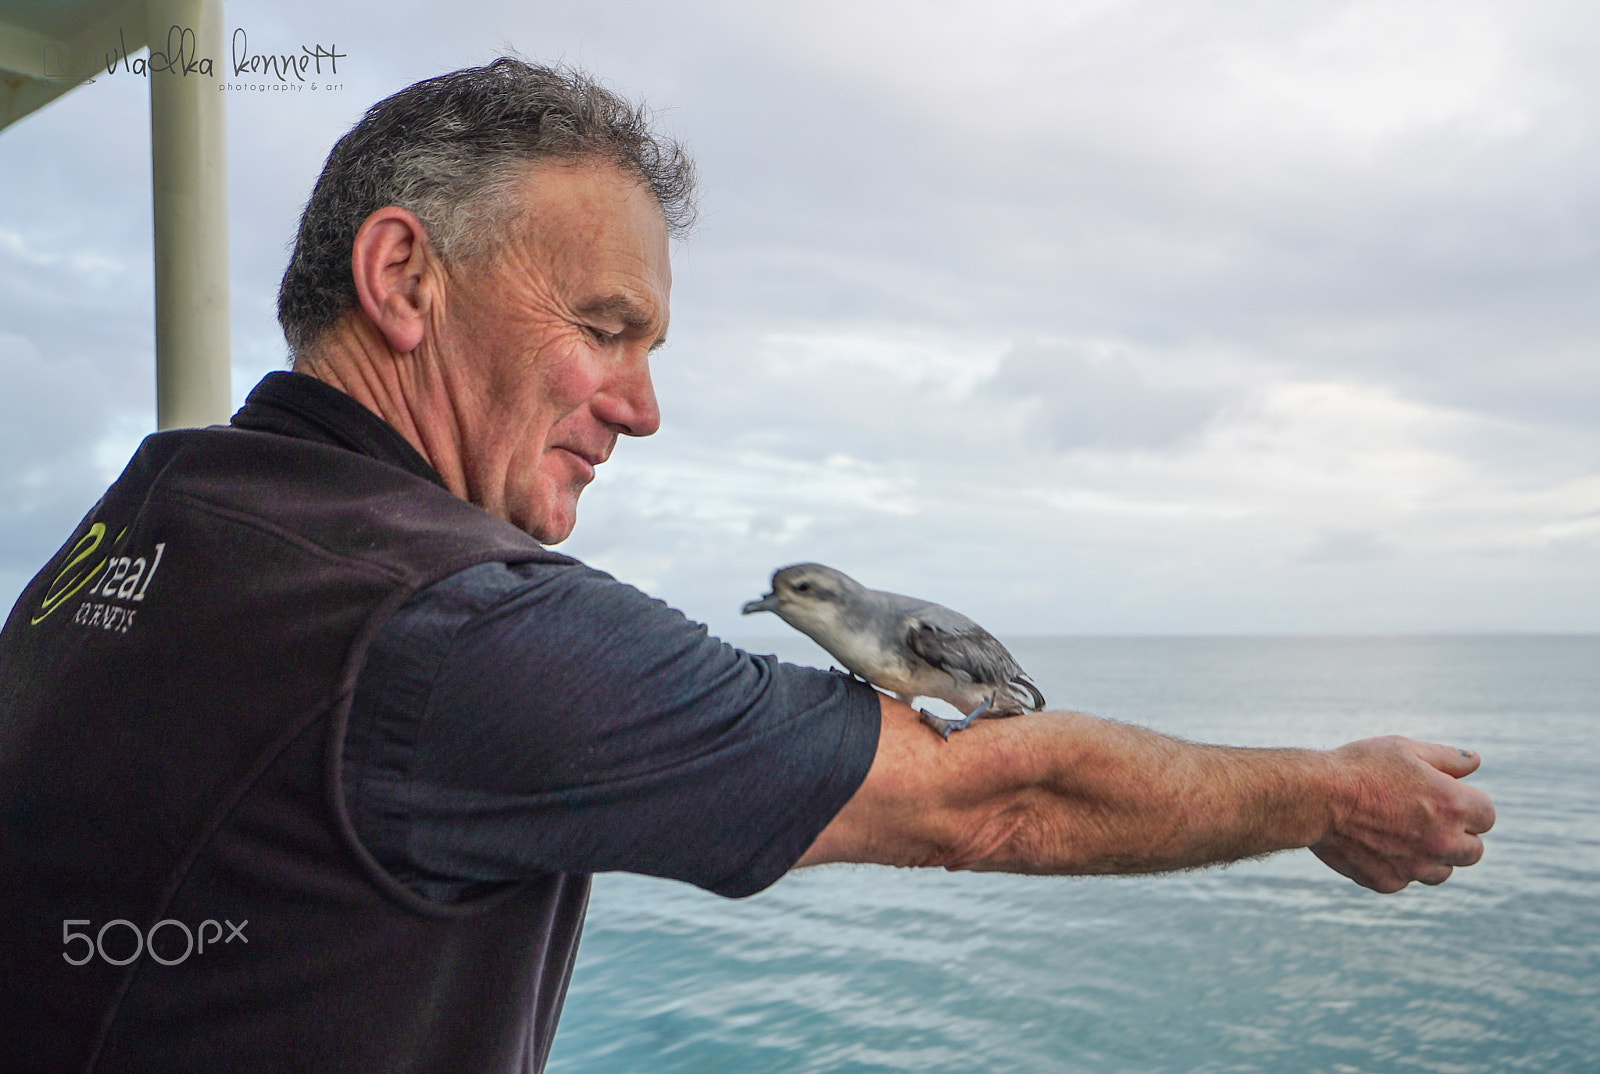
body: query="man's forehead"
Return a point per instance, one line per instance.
(603, 233)
(594, 198)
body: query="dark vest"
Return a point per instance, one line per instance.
(173, 693)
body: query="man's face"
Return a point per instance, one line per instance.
(548, 342)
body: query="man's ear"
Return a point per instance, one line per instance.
(395, 271)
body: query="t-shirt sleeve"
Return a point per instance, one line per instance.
(514, 721)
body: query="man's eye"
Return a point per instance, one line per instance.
(599, 335)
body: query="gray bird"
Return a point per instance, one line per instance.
(907, 647)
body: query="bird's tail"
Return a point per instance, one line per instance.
(1026, 693)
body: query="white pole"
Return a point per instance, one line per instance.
(189, 170)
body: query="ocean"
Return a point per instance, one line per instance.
(1275, 965)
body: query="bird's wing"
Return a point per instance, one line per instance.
(1026, 693)
(968, 652)
(938, 616)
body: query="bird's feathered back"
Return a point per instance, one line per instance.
(971, 653)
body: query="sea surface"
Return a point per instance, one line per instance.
(1277, 965)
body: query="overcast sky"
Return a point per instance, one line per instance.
(1095, 317)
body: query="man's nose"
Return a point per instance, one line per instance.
(629, 402)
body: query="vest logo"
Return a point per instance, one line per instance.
(120, 580)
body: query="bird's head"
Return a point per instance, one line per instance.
(806, 594)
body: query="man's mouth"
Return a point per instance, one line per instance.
(589, 459)
(592, 456)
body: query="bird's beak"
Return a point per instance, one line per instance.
(768, 603)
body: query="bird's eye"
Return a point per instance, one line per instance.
(802, 587)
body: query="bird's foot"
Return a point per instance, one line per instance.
(944, 727)
(940, 725)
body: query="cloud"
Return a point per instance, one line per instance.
(1074, 399)
(63, 436)
(1336, 545)
(1105, 315)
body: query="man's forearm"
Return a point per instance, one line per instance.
(1112, 798)
(1067, 793)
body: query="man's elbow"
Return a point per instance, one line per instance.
(1013, 836)
(983, 802)
(990, 836)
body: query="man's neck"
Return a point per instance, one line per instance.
(400, 388)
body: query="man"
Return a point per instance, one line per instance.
(312, 678)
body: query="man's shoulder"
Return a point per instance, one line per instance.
(500, 597)
(334, 500)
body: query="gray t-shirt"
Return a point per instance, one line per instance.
(513, 721)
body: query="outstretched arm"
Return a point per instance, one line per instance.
(1066, 793)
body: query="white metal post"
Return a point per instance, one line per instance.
(188, 167)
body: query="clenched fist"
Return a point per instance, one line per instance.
(1404, 813)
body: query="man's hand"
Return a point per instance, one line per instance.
(1065, 793)
(1406, 814)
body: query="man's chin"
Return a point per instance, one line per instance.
(549, 526)
(551, 537)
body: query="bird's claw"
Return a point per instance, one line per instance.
(944, 727)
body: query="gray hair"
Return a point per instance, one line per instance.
(451, 149)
